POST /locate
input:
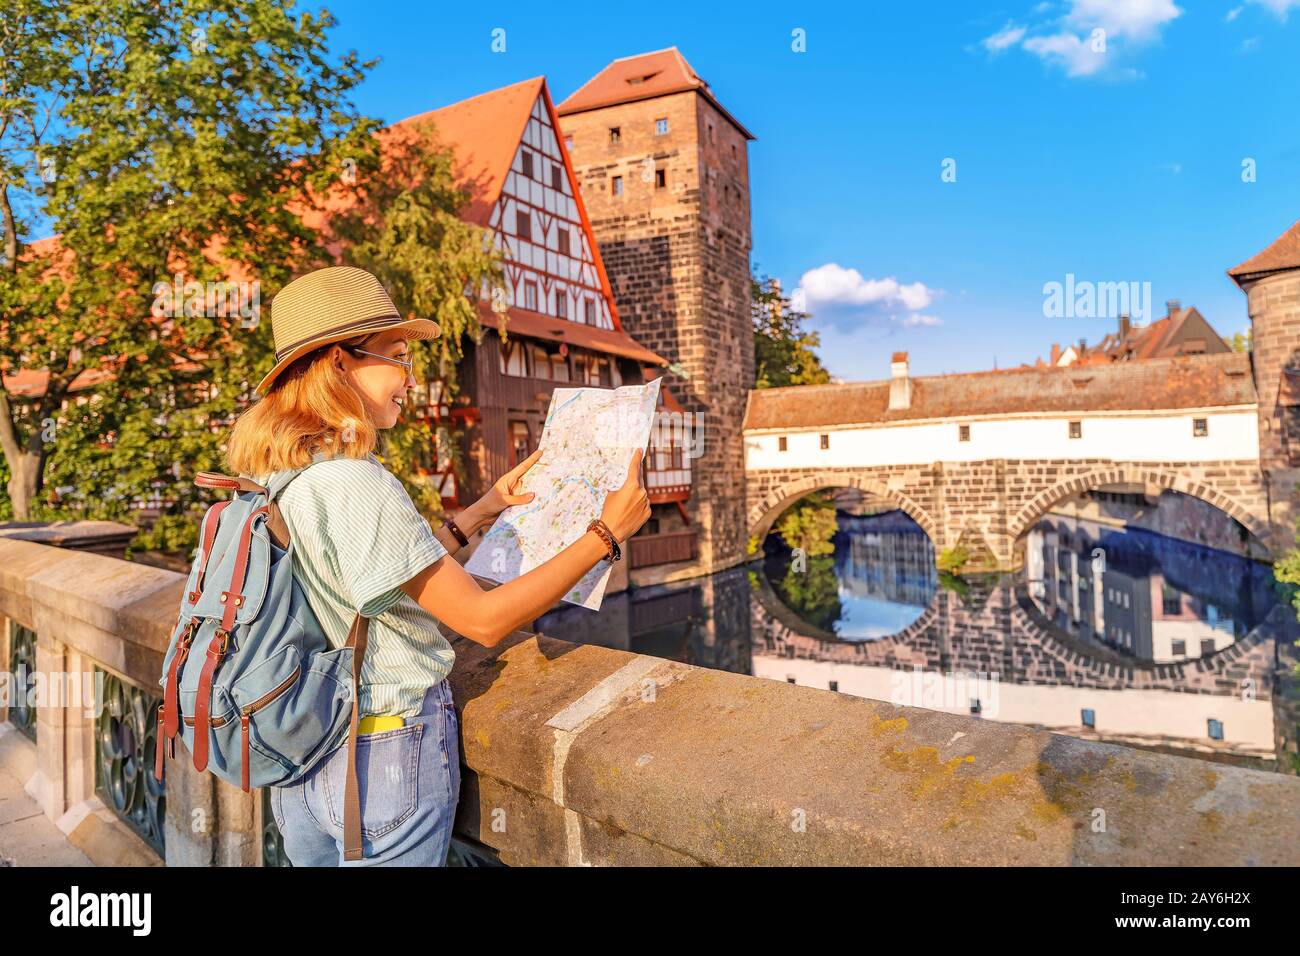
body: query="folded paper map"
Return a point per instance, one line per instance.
(587, 442)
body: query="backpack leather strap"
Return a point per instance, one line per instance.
(212, 479)
(210, 522)
(351, 792)
(233, 598)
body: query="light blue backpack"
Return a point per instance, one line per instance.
(250, 683)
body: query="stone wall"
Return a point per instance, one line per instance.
(678, 262)
(988, 505)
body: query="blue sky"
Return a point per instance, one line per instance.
(1114, 156)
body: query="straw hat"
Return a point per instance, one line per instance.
(330, 305)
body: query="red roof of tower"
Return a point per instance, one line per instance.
(1282, 254)
(642, 77)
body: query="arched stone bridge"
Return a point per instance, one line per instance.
(988, 505)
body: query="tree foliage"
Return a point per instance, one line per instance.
(783, 351)
(154, 140)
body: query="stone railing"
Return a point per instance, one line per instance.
(587, 755)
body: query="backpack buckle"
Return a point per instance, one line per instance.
(225, 641)
(239, 598)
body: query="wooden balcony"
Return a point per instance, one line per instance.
(655, 549)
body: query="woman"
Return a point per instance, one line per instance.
(342, 373)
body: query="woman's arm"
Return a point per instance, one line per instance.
(469, 521)
(450, 593)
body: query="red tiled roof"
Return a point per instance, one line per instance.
(1190, 381)
(550, 329)
(484, 132)
(1282, 254)
(642, 77)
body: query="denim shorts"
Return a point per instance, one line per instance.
(409, 782)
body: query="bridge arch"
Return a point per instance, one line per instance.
(764, 513)
(1133, 473)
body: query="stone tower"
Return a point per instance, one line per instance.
(1271, 281)
(664, 174)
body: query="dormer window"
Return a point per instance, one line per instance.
(614, 134)
(661, 127)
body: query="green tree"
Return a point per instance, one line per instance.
(1243, 342)
(155, 139)
(810, 524)
(783, 351)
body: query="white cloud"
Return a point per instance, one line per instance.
(1074, 54)
(1279, 7)
(1232, 14)
(1139, 20)
(843, 298)
(833, 284)
(1009, 35)
(1094, 36)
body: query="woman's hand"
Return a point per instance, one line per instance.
(627, 509)
(504, 492)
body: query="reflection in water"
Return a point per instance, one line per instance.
(1126, 636)
(878, 582)
(1152, 597)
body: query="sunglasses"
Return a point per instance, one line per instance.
(408, 365)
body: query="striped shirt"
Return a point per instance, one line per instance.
(357, 537)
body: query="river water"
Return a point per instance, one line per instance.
(1109, 632)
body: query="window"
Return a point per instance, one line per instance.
(661, 127)
(710, 132)
(561, 302)
(563, 238)
(963, 433)
(541, 362)
(530, 295)
(568, 142)
(789, 680)
(1178, 648)
(614, 134)
(826, 441)
(733, 150)
(780, 444)
(523, 224)
(975, 707)
(520, 442)
(1207, 646)
(1076, 429)
(528, 164)
(616, 185)
(1214, 728)
(834, 685)
(557, 176)
(1171, 601)
(661, 178)
(1088, 717)
(512, 359)
(589, 311)
(1200, 427)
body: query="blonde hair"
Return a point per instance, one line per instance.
(309, 407)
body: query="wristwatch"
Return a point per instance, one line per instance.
(607, 536)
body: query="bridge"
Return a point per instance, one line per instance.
(977, 459)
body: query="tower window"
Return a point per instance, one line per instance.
(1076, 429)
(523, 224)
(781, 443)
(963, 433)
(661, 178)
(661, 127)
(1200, 427)
(616, 185)
(710, 132)
(826, 441)
(568, 142)
(614, 134)
(528, 164)
(562, 238)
